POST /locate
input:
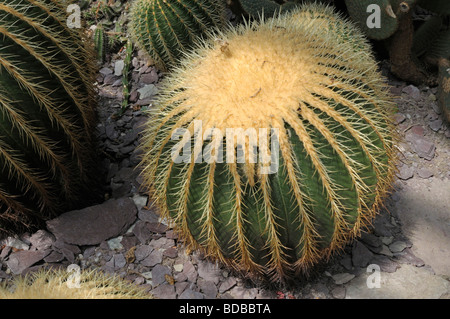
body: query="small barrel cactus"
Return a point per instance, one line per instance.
(70, 284)
(313, 110)
(167, 28)
(47, 113)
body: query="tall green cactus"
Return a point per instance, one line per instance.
(289, 82)
(444, 87)
(167, 28)
(47, 112)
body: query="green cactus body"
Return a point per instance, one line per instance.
(167, 28)
(320, 96)
(390, 12)
(47, 112)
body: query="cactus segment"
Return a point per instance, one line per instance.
(166, 28)
(317, 95)
(47, 112)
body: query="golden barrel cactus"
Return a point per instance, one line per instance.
(47, 113)
(271, 146)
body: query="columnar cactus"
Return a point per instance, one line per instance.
(47, 112)
(310, 106)
(167, 28)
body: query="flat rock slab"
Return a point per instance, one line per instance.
(423, 209)
(408, 282)
(95, 224)
(21, 260)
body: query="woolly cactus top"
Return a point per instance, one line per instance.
(311, 76)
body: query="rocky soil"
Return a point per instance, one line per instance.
(405, 254)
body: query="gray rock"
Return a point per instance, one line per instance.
(436, 125)
(42, 240)
(424, 172)
(209, 271)
(397, 246)
(229, 283)
(405, 172)
(171, 252)
(16, 243)
(164, 291)
(385, 263)
(159, 273)
(118, 67)
(371, 239)
(115, 243)
(361, 255)
(147, 91)
(119, 261)
(142, 252)
(162, 243)
(399, 118)
(54, 257)
(21, 260)
(208, 288)
(92, 225)
(190, 294)
(141, 231)
(412, 91)
(190, 272)
(154, 258)
(342, 278)
(385, 251)
(424, 148)
(180, 286)
(105, 71)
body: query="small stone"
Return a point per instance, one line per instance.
(105, 71)
(178, 267)
(361, 255)
(190, 294)
(385, 251)
(385, 264)
(208, 288)
(424, 148)
(399, 118)
(164, 291)
(229, 283)
(397, 246)
(54, 257)
(142, 252)
(114, 243)
(190, 272)
(171, 234)
(42, 240)
(171, 252)
(412, 91)
(147, 91)
(387, 240)
(371, 239)
(424, 172)
(405, 172)
(346, 261)
(342, 278)
(119, 261)
(16, 244)
(162, 243)
(149, 78)
(153, 259)
(159, 273)
(118, 67)
(140, 201)
(158, 228)
(436, 125)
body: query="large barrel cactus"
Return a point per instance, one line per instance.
(167, 28)
(271, 146)
(47, 113)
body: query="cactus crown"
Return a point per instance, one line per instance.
(328, 106)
